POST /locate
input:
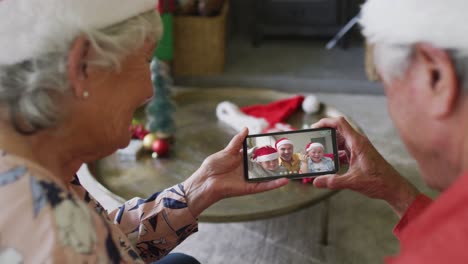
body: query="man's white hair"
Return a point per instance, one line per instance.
(395, 26)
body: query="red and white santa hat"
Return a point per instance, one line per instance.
(266, 118)
(280, 142)
(32, 27)
(265, 153)
(312, 145)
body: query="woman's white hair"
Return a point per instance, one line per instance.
(28, 89)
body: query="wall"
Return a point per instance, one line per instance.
(241, 15)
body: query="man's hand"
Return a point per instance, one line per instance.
(369, 173)
(221, 175)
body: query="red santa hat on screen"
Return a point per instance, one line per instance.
(262, 118)
(280, 142)
(312, 145)
(33, 27)
(265, 153)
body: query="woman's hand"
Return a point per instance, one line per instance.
(221, 175)
(369, 173)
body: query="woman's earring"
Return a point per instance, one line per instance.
(85, 94)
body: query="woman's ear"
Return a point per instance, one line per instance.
(441, 78)
(77, 67)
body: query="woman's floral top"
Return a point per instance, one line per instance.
(44, 221)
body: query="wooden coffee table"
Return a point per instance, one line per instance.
(198, 135)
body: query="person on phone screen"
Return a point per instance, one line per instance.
(314, 160)
(287, 158)
(265, 163)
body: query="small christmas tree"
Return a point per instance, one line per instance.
(160, 109)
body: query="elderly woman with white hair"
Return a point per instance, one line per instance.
(72, 72)
(421, 53)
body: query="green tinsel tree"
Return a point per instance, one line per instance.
(160, 109)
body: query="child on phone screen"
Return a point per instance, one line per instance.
(314, 159)
(265, 163)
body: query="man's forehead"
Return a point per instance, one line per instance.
(286, 146)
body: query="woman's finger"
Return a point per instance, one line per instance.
(269, 185)
(236, 142)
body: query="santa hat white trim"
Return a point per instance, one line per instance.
(441, 23)
(313, 145)
(268, 157)
(231, 115)
(32, 27)
(282, 142)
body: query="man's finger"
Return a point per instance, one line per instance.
(342, 126)
(330, 181)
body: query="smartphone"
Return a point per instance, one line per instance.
(292, 154)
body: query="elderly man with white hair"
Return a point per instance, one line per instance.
(421, 49)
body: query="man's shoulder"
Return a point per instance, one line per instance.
(442, 225)
(297, 156)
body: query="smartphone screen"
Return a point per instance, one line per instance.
(292, 154)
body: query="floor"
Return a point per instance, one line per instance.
(360, 229)
(293, 65)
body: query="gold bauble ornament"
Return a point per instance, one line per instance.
(162, 135)
(148, 141)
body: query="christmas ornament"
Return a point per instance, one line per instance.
(148, 141)
(138, 131)
(161, 147)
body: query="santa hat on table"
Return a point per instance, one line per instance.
(33, 27)
(312, 145)
(271, 117)
(265, 153)
(282, 141)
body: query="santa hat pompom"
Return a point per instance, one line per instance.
(311, 104)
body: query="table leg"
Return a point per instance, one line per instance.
(324, 222)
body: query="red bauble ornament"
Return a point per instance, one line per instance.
(161, 147)
(138, 131)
